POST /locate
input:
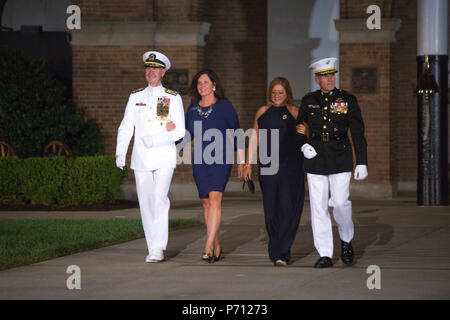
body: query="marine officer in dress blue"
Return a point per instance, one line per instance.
(330, 113)
(155, 116)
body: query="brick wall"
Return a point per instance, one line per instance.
(404, 101)
(236, 49)
(176, 10)
(104, 76)
(390, 114)
(352, 9)
(115, 10)
(375, 107)
(140, 10)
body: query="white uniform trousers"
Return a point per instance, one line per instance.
(320, 187)
(152, 190)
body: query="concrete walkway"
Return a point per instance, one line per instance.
(409, 244)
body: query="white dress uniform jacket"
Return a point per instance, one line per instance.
(141, 120)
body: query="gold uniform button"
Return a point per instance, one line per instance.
(324, 118)
(326, 99)
(324, 127)
(326, 108)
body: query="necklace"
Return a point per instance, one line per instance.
(205, 114)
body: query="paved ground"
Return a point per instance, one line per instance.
(410, 245)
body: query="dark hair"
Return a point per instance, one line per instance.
(193, 92)
(285, 84)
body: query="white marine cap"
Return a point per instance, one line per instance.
(155, 59)
(324, 66)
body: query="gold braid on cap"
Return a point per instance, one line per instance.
(325, 71)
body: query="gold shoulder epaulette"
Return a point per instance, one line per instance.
(172, 92)
(137, 90)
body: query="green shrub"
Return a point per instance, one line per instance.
(60, 180)
(34, 111)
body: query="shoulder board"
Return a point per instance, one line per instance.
(172, 92)
(137, 90)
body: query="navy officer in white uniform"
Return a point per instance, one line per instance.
(330, 114)
(155, 116)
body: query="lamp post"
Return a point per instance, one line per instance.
(432, 102)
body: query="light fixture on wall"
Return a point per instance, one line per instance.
(427, 86)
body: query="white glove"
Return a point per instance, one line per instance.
(308, 151)
(148, 141)
(361, 172)
(120, 162)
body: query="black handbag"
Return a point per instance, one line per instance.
(251, 185)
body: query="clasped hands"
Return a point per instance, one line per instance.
(148, 142)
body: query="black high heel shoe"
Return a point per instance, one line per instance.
(207, 257)
(217, 258)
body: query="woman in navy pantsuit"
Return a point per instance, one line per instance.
(283, 192)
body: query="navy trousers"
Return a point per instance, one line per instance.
(283, 197)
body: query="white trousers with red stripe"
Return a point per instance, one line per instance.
(152, 189)
(334, 191)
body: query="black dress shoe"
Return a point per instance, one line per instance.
(323, 262)
(347, 252)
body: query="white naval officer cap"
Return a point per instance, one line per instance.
(324, 66)
(155, 59)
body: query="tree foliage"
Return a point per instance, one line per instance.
(34, 111)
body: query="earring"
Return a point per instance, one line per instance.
(214, 89)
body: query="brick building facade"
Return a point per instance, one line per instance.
(390, 112)
(230, 37)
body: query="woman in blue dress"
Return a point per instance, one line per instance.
(283, 192)
(207, 120)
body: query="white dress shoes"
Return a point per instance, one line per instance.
(155, 257)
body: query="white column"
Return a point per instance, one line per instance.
(432, 27)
